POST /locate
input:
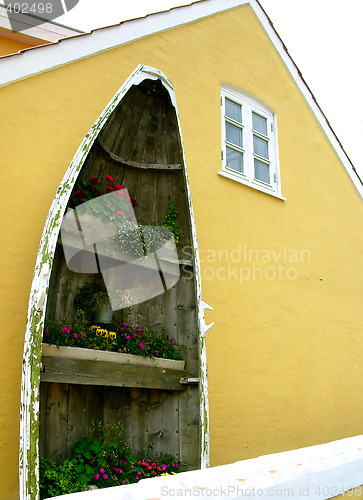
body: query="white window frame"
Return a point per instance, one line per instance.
(249, 105)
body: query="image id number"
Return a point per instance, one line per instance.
(30, 8)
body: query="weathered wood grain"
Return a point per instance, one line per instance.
(89, 372)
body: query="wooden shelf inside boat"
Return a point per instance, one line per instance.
(113, 252)
(75, 365)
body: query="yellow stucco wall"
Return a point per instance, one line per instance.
(284, 355)
(8, 46)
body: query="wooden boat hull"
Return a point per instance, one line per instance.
(140, 147)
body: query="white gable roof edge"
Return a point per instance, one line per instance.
(307, 94)
(34, 61)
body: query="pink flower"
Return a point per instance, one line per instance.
(76, 335)
(119, 212)
(138, 472)
(141, 345)
(127, 336)
(105, 476)
(102, 471)
(96, 476)
(140, 329)
(164, 466)
(157, 352)
(109, 178)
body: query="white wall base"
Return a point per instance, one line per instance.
(317, 472)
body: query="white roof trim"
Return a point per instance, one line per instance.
(33, 62)
(48, 30)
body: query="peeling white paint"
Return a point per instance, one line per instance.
(29, 411)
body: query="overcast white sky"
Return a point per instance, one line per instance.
(324, 37)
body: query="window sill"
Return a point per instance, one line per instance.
(236, 178)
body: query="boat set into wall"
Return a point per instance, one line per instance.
(137, 142)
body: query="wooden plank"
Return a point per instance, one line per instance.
(163, 421)
(85, 405)
(82, 371)
(122, 404)
(132, 107)
(56, 424)
(189, 428)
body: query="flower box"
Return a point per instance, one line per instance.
(75, 365)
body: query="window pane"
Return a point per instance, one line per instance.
(259, 124)
(234, 134)
(260, 147)
(233, 111)
(262, 171)
(234, 160)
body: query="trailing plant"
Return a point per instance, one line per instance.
(89, 189)
(169, 222)
(57, 480)
(103, 459)
(124, 338)
(116, 208)
(130, 239)
(142, 240)
(90, 297)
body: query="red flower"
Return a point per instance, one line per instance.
(109, 178)
(117, 186)
(94, 181)
(133, 202)
(80, 194)
(109, 189)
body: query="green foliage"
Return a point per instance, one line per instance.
(169, 222)
(125, 338)
(90, 297)
(58, 479)
(104, 460)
